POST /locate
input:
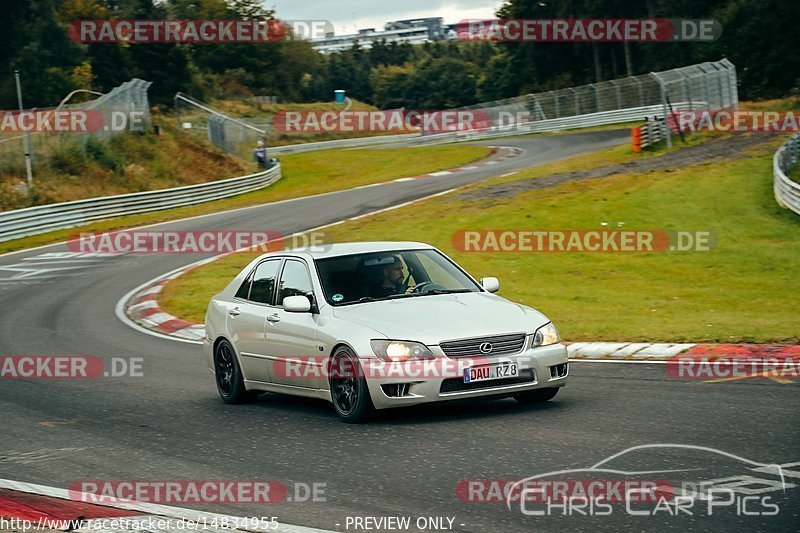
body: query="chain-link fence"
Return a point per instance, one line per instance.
(231, 135)
(125, 108)
(653, 96)
(703, 86)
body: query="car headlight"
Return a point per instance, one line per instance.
(394, 351)
(546, 335)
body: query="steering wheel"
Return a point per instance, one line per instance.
(427, 286)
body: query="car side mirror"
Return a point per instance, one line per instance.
(490, 284)
(297, 304)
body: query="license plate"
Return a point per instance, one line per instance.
(487, 372)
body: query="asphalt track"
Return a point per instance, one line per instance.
(170, 424)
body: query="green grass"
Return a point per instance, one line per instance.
(743, 290)
(303, 174)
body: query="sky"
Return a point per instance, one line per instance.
(349, 15)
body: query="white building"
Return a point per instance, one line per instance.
(412, 31)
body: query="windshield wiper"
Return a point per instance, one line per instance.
(390, 297)
(402, 295)
(446, 291)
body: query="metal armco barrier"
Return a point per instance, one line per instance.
(41, 219)
(604, 118)
(652, 132)
(787, 192)
(342, 143)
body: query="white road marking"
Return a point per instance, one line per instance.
(36, 456)
(39, 266)
(23, 270)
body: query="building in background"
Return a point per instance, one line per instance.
(413, 31)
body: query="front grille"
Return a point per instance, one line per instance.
(501, 345)
(458, 385)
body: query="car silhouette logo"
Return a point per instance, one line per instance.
(486, 347)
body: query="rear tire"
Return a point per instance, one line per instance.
(537, 395)
(349, 392)
(228, 375)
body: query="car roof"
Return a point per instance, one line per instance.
(324, 251)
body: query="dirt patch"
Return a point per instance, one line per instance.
(723, 148)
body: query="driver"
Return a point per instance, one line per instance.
(392, 280)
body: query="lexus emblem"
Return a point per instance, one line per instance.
(486, 347)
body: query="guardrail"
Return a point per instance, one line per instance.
(787, 192)
(604, 118)
(44, 218)
(342, 143)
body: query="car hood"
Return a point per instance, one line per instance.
(436, 318)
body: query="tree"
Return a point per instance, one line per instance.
(442, 83)
(390, 86)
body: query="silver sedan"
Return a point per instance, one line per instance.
(376, 325)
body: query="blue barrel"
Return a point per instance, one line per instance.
(339, 98)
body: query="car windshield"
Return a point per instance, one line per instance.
(388, 275)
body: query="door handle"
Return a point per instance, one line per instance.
(273, 318)
(234, 311)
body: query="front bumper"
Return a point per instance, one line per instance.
(536, 371)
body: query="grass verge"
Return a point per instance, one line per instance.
(740, 291)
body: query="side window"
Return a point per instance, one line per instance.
(264, 281)
(244, 290)
(294, 281)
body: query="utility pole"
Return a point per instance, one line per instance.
(25, 136)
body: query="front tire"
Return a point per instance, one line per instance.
(349, 392)
(228, 375)
(537, 395)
